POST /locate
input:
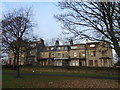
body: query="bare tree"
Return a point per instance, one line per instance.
(15, 26)
(93, 20)
(64, 40)
(27, 46)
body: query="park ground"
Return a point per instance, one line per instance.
(59, 79)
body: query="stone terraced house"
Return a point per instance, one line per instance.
(96, 54)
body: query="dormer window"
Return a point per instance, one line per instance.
(47, 48)
(52, 48)
(92, 45)
(81, 46)
(73, 47)
(59, 48)
(66, 48)
(33, 45)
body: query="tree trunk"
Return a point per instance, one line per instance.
(14, 64)
(18, 70)
(27, 55)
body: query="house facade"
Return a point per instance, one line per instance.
(92, 54)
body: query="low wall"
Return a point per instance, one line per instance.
(109, 70)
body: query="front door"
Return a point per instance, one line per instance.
(96, 63)
(80, 63)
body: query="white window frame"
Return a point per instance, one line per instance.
(59, 48)
(92, 45)
(75, 54)
(66, 48)
(81, 46)
(51, 48)
(73, 47)
(33, 45)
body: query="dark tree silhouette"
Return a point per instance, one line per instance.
(93, 20)
(16, 25)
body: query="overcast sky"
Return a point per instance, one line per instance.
(43, 13)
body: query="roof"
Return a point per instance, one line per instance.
(47, 48)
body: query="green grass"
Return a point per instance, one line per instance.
(34, 81)
(10, 81)
(83, 74)
(70, 73)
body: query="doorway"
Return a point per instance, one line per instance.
(80, 63)
(96, 63)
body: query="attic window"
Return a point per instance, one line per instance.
(47, 48)
(66, 48)
(59, 48)
(73, 47)
(92, 45)
(81, 46)
(33, 45)
(52, 48)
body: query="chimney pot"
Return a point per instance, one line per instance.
(71, 42)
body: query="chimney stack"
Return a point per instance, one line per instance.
(42, 42)
(86, 40)
(71, 42)
(57, 43)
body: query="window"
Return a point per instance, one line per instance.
(52, 55)
(42, 54)
(92, 45)
(75, 54)
(32, 52)
(23, 55)
(63, 55)
(66, 48)
(49, 62)
(96, 63)
(81, 46)
(105, 62)
(33, 45)
(75, 63)
(93, 53)
(59, 54)
(59, 48)
(82, 54)
(91, 62)
(58, 63)
(73, 47)
(52, 48)
(47, 48)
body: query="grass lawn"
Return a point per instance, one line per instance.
(69, 73)
(29, 81)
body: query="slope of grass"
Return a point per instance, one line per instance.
(28, 81)
(69, 73)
